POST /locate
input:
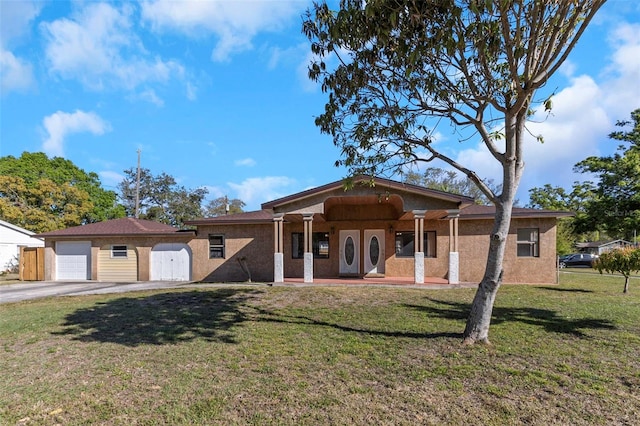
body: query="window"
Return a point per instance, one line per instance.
(119, 251)
(405, 246)
(319, 245)
(528, 239)
(216, 246)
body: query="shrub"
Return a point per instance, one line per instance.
(624, 261)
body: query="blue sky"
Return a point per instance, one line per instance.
(216, 94)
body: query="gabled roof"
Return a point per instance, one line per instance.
(467, 207)
(598, 244)
(127, 226)
(477, 211)
(368, 181)
(16, 228)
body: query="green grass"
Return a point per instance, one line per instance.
(561, 354)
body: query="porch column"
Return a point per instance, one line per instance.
(308, 247)
(454, 257)
(278, 248)
(418, 245)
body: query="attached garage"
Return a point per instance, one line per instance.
(73, 260)
(117, 263)
(171, 262)
(118, 250)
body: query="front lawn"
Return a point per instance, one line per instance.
(561, 354)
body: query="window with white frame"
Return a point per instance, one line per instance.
(119, 251)
(216, 246)
(528, 242)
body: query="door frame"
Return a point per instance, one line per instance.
(369, 267)
(62, 255)
(346, 269)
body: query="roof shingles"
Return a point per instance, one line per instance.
(123, 226)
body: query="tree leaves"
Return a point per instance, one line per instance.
(44, 205)
(44, 194)
(624, 261)
(160, 198)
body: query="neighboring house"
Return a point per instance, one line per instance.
(13, 237)
(599, 247)
(120, 250)
(322, 233)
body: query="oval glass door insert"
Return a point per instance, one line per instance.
(374, 250)
(349, 251)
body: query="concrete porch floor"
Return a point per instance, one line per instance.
(429, 282)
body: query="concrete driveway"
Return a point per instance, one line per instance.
(27, 291)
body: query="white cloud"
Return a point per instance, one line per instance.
(15, 73)
(192, 91)
(110, 178)
(621, 89)
(61, 124)
(150, 96)
(215, 192)
(247, 162)
(15, 19)
(234, 23)
(98, 46)
(255, 191)
(583, 115)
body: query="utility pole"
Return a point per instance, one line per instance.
(138, 187)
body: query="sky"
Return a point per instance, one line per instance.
(216, 94)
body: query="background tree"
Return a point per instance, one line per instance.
(451, 181)
(218, 206)
(624, 261)
(615, 207)
(473, 64)
(610, 206)
(43, 194)
(160, 198)
(557, 198)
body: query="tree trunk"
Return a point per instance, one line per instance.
(477, 329)
(626, 284)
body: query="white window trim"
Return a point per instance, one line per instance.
(125, 251)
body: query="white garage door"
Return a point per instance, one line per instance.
(73, 260)
(171, 262)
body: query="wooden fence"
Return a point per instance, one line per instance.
(31, 264)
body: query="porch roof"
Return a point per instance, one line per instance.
(363, 186)
(401, 200)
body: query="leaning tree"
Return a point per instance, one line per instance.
(396, 69)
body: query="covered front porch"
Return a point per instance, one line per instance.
(384, 233)
(429, 282)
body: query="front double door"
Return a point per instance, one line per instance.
(374, 254)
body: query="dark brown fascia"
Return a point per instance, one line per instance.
(377, 181)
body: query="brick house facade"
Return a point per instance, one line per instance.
(327, 232)
(369, 230)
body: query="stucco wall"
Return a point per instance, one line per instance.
(142, 245)
(254, 243)
(474, 248)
